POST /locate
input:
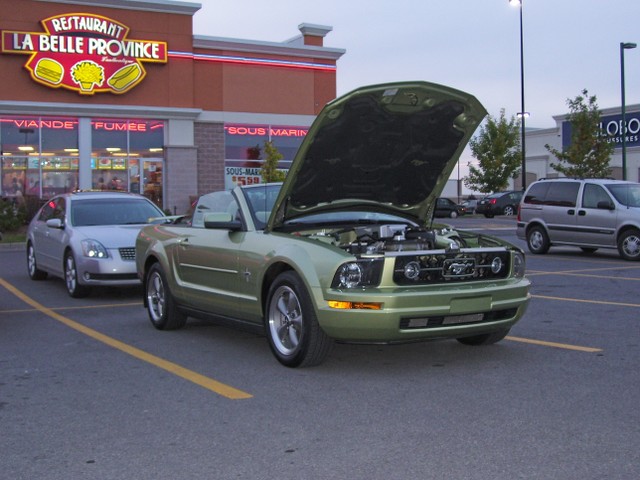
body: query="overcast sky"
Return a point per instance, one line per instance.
(473, 45)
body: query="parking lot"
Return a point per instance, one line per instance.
(89, 389)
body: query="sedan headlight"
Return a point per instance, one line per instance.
(358, 274)
(518, 265)
(93, 249)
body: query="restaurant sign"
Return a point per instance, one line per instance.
(85, 53)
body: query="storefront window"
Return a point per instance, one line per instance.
(39, 155)
(128, 155)
(244, 150)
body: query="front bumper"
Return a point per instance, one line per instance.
(114, 270)
(424, 313)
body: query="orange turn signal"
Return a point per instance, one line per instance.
(354, 305)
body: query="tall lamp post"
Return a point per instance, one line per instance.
(623, 128)
(523, 114)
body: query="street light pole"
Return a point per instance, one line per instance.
(623, 127)
(523, 114)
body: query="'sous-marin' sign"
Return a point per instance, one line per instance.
(84, 52)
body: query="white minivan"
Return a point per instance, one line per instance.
(585, 213)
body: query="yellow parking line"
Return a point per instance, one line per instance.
(580, 300)
(205, 382)
(554, 344)
(77, 307)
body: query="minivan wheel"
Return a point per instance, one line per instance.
(629, 245)
(537, 240)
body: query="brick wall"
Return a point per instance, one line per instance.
(209, 140)
(180, 178)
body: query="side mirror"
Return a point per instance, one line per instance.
(54, 223)
(224, 221)
(606, 205)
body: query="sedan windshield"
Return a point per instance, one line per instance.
(129, 211)
(627, 194)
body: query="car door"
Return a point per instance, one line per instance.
(50, 240)
(596, 226)
(207, 267)
(559, 210)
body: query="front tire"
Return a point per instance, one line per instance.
(537, 240)
(74, 288)
(484, 339)
(161, 306)
(291, 325)
(629, 245)
(453, 214)
(32, 267)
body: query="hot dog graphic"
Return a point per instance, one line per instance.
(125, 77)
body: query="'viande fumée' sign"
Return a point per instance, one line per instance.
(84, 52)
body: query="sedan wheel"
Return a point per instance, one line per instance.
(32, 267)
(509, 210)
(161, 306)
(295, 337)
(453, 214)
(629, 245)
(74, 288)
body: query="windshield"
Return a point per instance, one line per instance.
(261, 200)
(126, 211)
(628, 194)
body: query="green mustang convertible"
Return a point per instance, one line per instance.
(344, 250)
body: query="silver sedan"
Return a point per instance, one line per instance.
(88, 239)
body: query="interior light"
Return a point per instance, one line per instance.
(70, 149)
(113, 149)
(25, 148)
(154, 150)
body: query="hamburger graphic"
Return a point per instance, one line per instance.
(49, 70)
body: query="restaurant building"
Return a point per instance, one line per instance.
(120, 94)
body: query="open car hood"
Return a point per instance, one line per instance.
(388, 148)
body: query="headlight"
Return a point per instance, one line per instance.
(362, 273)
(93, 249)
(518, 265)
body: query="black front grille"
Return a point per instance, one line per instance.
(113, 276)
(128, 253)
(442, 267)
(453, 320)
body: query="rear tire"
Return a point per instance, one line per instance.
(484, 339)
(453, 214)
(291, 325)
(32, 267)
(161, 306)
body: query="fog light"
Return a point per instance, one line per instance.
(496, 265)
(412, 270)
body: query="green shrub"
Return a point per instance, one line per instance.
(12, 216)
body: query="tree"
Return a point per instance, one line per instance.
(269, 170)
(497, 149)
(589, 152)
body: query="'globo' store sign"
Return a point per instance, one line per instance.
(84, 52)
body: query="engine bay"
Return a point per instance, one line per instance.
(378, 239)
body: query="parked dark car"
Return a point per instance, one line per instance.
(448, 208)
(470, 205)
(501, 203)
